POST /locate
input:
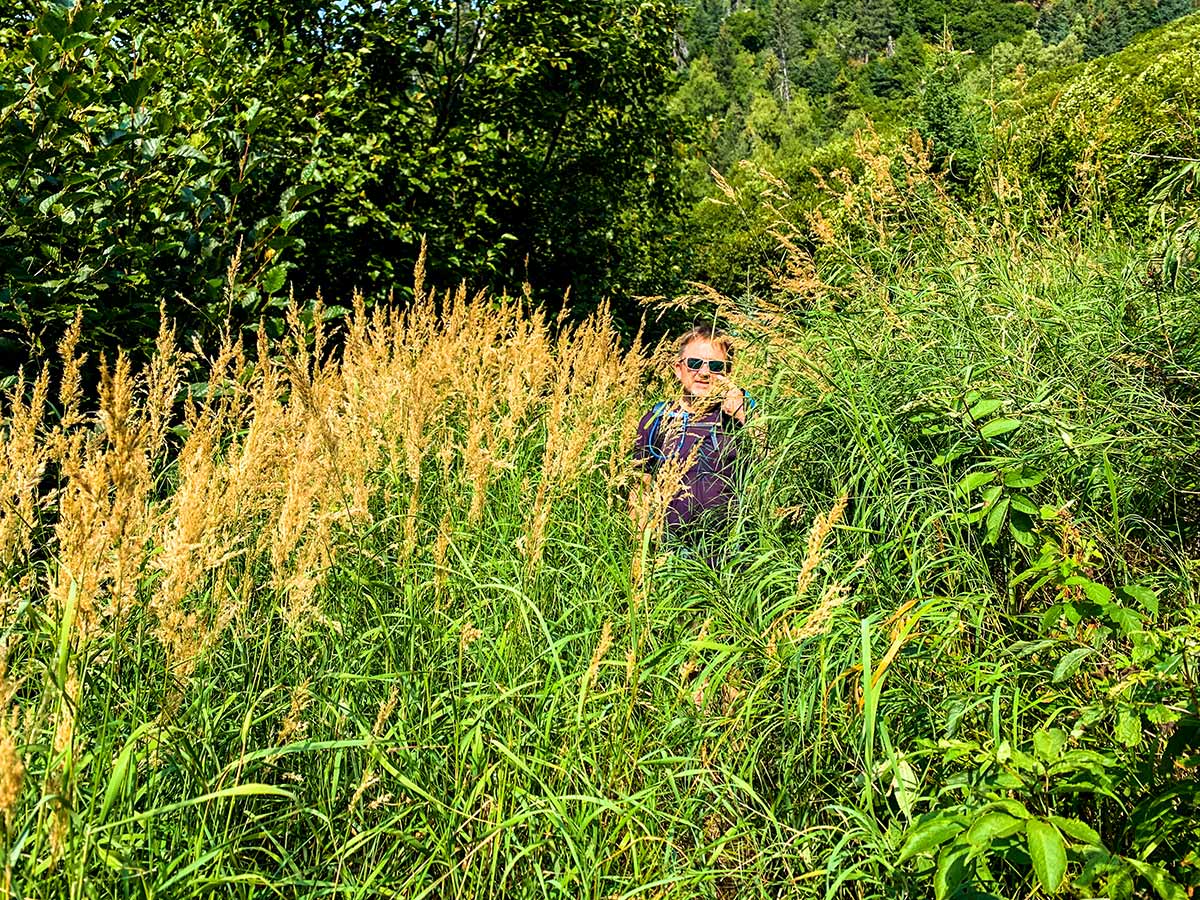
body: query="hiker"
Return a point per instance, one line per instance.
(700, 426)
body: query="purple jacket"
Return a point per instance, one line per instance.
(670, 432)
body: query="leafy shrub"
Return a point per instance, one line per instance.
(209, 156)
(145, 167)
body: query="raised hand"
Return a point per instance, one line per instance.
(734, 404)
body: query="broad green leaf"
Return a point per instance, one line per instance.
(1022, 478)
(189, 151)
(929, 835)
(998, 427)
(1097, 593)
(1162, 715)
(1048, 853)
(975, 480)
(1164, 885)
(1008, 781)
(952, 870)
(985, 408)
(1068, 665)
(54, 22)
(1083, 760)
(1143, 595)
(905, 784)
(1048, 744)
(1076, 830)
(1025, 762)
(133, 92)
(46, 206)
(289, 219)
(274, 279)
(992, 825)
(1014, 808)
(1024, 504)
(1021, 528)
(1125, 619)
(995, 520)
(1129, 728)
(41, 46)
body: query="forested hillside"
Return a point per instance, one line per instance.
(213, 155)
(785, 87)
(325, 566)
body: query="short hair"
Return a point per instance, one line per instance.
(710, 333)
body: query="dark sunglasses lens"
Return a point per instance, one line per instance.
(694, 364)
(716, 366)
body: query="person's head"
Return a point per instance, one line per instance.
(704, 358)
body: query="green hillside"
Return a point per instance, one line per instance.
(1106, 131)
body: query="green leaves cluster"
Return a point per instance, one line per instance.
(525, 141)
(970, 847)
(148, 161)
(49, 145)
(206, 155)
(997, 90)
(1000, 828)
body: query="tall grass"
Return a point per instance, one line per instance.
(366, 614)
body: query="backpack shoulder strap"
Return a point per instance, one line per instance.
(656, 416)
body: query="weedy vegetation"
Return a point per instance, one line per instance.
(366, 614)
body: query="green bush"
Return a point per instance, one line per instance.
(144, 166)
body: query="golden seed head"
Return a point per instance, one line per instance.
(823, 524)
(385, 711)
(294, 726)
(602, 647)
(468, 635)
(12, 768)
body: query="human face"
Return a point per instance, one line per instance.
(702, 382)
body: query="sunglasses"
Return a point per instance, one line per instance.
(716, 366)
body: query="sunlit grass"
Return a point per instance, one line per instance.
(368, 616)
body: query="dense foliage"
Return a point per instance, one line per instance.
(358, 603)
(208, 156)
(1075, 139)
(376, 622)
